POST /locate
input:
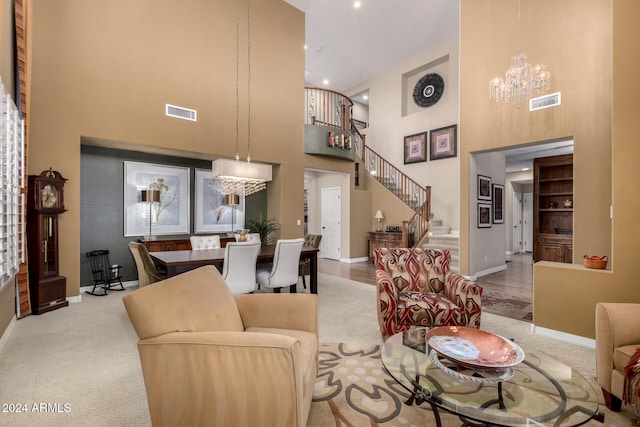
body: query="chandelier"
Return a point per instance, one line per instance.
(522, 80)
(239, 177)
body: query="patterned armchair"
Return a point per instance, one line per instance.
(416, 288)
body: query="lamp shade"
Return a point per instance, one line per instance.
(231, 199)
(241, 170)
(150, 196)
(379, 215)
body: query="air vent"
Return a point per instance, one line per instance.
(181, 113)
(545, 101)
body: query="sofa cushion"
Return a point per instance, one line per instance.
(196, 301)
(622, 356)
(426, 309)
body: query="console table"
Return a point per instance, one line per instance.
(383, 239)
(163, 245)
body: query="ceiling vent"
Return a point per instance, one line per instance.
(181, 113)
(545, 101)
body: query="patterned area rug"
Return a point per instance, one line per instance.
(352, 390)
(495, 303)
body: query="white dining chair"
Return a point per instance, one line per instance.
(251, 237)
(284, 270)
(205, 242)
(239, 267)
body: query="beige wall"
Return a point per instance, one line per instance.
(105, 69)
(575, 42)
(393, 115)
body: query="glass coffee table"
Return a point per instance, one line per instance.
(534, 389)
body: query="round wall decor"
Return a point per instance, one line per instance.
(428, 90)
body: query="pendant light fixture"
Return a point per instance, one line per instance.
(236, 176)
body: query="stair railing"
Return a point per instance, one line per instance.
(329, 108)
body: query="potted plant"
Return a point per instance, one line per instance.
(264, 227)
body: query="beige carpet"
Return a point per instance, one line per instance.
(79, 366)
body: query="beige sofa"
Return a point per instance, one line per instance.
(617, 338)
(215, 359)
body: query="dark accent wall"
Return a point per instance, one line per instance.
(102, 201)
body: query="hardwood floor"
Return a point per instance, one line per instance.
(515, 282)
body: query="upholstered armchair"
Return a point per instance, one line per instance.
(416, 288)
(215, 359)
(617, 340)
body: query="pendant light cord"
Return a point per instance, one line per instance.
(249, 81)
(237, 75)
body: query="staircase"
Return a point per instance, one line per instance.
(441, 237)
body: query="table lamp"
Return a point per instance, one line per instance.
(150, 197)
(232, 200)
(379, 216)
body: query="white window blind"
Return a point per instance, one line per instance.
(12, 218)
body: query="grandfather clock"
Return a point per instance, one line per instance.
(45, 202)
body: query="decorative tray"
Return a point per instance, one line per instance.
(474, 348)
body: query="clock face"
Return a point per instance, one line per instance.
(49, 196)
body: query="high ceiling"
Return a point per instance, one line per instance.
(348, 45)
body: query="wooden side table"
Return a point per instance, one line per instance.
(383, 239)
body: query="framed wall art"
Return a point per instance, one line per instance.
(212, 214)
(415, 147)
(484, 215)
(443, 143)
(484, 187)
(171, 214)
(498, 203)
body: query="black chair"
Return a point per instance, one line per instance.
(105, 275)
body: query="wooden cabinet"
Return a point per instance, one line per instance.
(381, 239)
(553, 209)
(178, 244)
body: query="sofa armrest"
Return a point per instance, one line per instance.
(617, 325)
(387, 302)
(467, 295)
(280, 311)
(196, 378)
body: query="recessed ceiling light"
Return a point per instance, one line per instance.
(525, 169)
(305, 47)
(325, 82)
(356, 4)
(365, 96)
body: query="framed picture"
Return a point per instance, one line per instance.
(415, 148)
(484, 187)
(171, 214)
(498, 203)
(484, 215)
(212, 214)
(443, 143)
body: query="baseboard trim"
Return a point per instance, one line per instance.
(488, 271)
(354, 260)
(563, 336)
(7, 333)
(83, 289)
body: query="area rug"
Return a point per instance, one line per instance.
(352, 390)
(496, 303)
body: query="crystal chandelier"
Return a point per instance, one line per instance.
(522, 81)
(238, 177)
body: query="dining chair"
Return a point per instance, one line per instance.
(205, 242)
(239, 268)
(251, 237)
(284, 270)
(147, 271)
(304, 269)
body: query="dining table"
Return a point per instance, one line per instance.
(176, 262)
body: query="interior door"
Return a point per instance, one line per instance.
(527, 226)
(517, 223)
(330, 221)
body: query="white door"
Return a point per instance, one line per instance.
(330, 221)
(517, 223)
(527, 227)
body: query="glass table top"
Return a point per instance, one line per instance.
(540, 390)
